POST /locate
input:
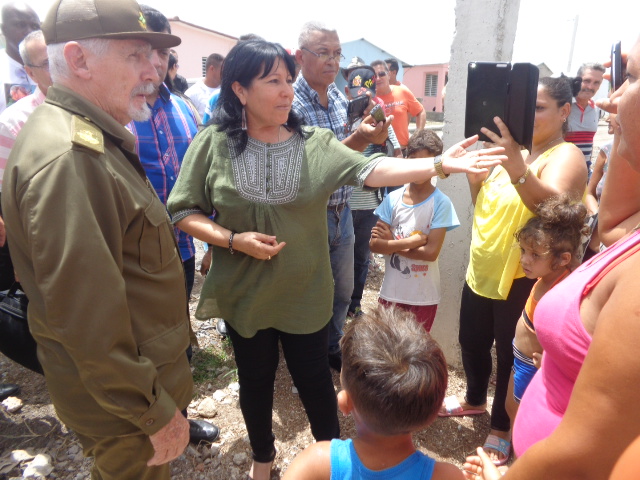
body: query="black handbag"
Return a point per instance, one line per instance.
(16, 341)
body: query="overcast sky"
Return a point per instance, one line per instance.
(545, 27)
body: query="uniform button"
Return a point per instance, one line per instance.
(149, 422)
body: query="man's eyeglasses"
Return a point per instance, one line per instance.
(325, 56)
(45, 65)
(381, 74)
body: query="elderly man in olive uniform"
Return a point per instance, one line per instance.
(94, 249)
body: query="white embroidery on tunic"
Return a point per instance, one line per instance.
(268, 173)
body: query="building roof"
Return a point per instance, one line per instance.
(193, 25)
(386, 54)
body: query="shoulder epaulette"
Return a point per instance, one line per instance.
(85, 133)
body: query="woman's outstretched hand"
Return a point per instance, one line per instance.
(458, 160)
(480, 467)
(258, 245)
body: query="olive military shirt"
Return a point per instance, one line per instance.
(97, 257)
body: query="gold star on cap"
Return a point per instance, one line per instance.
(142, 21)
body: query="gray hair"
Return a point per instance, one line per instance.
(24, 53)
(590, 66)
(308, 29)
(58, 67)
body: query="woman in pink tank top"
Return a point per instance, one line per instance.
(580, 413)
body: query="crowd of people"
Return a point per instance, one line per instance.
(131, 175)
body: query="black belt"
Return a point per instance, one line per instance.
(337, 208)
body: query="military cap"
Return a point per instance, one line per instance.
(70, 20)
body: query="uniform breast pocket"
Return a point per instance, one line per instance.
(157, 244)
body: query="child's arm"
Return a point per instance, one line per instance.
(428, 252)
(382, 240)
(314, 463)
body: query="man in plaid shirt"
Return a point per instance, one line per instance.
(319, 102)
(161, 143)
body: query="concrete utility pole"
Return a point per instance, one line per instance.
(485, 31)
(573, 43)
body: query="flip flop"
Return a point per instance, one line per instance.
(500, 445)
(454, 409)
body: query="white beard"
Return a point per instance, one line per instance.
(142, 113)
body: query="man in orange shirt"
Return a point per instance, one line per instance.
(399, 102)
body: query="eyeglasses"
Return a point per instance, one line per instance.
(45, 65)
(381, 74)
(325, 56)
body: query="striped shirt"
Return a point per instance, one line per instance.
(11, 122)
(583, 124)
(306, 104)
(368, 199)
(161, 143)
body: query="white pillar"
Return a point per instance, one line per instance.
(485, 31)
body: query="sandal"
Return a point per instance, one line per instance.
(500, 445)
(452, 408)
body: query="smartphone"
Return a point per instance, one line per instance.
(356, 108)
(378, 113)
(616, 67)
(505, 90)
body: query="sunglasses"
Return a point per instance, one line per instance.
(381, 74)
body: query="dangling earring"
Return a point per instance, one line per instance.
(244, 121)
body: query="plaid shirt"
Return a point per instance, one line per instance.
(161, 143)
(307, 105)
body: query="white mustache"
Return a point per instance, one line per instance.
(144, 89)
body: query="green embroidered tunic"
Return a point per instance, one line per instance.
(278, 189)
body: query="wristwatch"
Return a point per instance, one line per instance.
(523, 178)
(437, 164)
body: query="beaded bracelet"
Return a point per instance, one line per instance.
(231, 250)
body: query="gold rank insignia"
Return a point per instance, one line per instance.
(86, 134)
(142, 21)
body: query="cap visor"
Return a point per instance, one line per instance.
(156, 39)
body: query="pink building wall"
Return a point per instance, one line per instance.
(415, 78)
(198, 42)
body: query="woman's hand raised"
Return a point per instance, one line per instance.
(514, 164)
(458, 160)
(258, 245)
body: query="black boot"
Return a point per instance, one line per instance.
(8, 390)
(201, 431)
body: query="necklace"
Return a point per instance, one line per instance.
(544, 149)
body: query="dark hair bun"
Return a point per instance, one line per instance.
(562, 213)
(576, 85)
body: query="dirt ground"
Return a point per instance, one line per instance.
(36, 428)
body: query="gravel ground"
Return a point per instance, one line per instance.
(37, 430)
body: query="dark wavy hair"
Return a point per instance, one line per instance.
(558, 227)
(245, 62)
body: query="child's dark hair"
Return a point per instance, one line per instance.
(558, 227)
(394, 371)
(424, 139)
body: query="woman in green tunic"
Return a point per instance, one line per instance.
(267, 180)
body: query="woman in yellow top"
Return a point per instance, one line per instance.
(496, 288)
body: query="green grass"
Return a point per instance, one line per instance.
(207, 361)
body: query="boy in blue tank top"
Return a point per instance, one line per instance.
(394, 377)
